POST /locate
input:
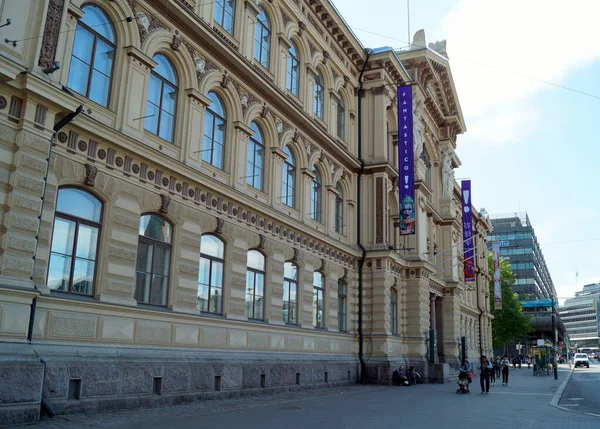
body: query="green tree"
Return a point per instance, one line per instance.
(510, 323)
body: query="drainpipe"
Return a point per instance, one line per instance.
(55, 130)
(358, 223)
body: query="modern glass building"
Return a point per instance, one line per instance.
(520, 246)
(581, 316)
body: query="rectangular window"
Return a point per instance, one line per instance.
(342, 297)
(255, 295)
(341, 120)
(394, 311)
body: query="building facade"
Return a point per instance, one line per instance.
(200, 199)
(581, 316)
(520, 246)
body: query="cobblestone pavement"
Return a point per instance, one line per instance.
(524, 403)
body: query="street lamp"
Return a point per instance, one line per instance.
(554, 341)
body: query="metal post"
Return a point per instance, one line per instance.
(555, 365)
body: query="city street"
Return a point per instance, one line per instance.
(581, 394)
(524, 402)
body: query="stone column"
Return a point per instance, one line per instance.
(247, 28)
(133, 100)
(417, 313)
(311, 76)
(305, 291)
(192, 145)
(274, 287)
(432, 318)
(376, 118)
(236, 292)
(243, 133)
(307, 177)
(275, 195)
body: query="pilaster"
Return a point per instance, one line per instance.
(236, 292)
(417, 312)
(250, 12)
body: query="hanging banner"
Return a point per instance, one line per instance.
(406, 179)
(497, 284)
(469, 254)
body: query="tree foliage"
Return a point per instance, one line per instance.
(510, 323)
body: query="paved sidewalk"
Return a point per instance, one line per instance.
(523, 403)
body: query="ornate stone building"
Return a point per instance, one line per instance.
(188, 209)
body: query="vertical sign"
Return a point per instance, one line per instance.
(497, 284)
(469, 254)
(406, 179)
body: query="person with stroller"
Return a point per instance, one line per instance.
(465, 374)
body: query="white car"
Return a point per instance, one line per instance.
(581, 359)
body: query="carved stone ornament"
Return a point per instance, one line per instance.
(143, 20)
(301, 28)
(3, 102)
(263, 241)
(200, 65)
(244, 100)
(225, 81)
(264, 112)
(346, 81)
(91, 171)
(308, 148)
(296, 136)
(51, 31)
(175, 43)
(220, 223)
(165, 200)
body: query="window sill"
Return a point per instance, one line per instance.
(216, 173)
(167, 148)
(262, 70)
(98, 112)
(163, 308)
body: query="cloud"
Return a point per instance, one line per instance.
(537, 38)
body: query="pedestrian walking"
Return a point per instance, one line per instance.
(493, 372)
(505, 366)
(484, 377)
(497, 367)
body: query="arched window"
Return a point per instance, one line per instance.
(255, 285)
(210, 274)
(290, 290)
(293, 62)
(342, 305)
(153, 260)
(341, 119)
(74, 249)
(162, 99)
(339, 210)
(394, 311)
(289, 178)
(256, 158)
(224, 14)
(93, 55)
(215, 124)
(318, 304)
(427, 162)
(318, 94)
(315, 196)
(262, 39)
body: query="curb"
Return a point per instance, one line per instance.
(558, 395)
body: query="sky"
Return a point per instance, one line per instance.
(530, 145)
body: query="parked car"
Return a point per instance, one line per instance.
(581, 359)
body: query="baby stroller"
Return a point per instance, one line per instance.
(463, 383)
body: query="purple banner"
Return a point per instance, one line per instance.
(467, 222)
(406, 180)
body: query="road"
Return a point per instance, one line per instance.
(581, 394)
(524, 403)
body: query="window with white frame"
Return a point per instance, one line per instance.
(255, 285)
(289, 179)
(224, 14)
(153, 260)
(290, 291)
(318, 96)
(315, 196)
(162, 99)
(339, 210)
(318, 303)
(215, 124)
(74, 247)
(210, 274)
(93, 55)
(293, 63)
(256, 158)
(341, 119)
(262, 39)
